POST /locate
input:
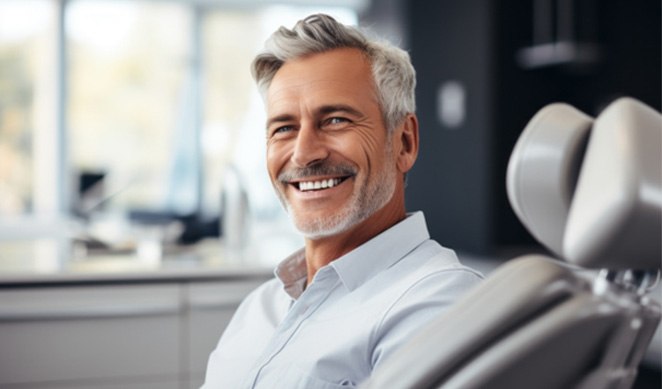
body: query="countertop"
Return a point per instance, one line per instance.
(45, 263)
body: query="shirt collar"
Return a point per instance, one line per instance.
(382, 251)
(360, 264)
(292, 273)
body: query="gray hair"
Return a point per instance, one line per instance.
(392, 71)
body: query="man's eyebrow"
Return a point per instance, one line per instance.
(286, 117)
(327, 109)
(323, 110)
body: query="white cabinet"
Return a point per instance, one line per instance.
(127, 336)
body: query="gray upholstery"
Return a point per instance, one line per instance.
(590, 191)
(543, 171)
(594, 203)
(615, 220)
(485, 315)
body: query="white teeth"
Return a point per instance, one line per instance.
(314, 185)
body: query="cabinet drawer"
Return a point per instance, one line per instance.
(83, 333)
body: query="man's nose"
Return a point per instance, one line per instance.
(309, 148)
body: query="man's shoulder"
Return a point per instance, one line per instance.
(267, 303)
(267, 293)
(431, 260)
(431, 271)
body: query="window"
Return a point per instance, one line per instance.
(131, 101)
(27, 110)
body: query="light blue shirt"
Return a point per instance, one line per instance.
(357, 311)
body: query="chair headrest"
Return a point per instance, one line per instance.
(591, 190)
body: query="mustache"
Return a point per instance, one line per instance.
(316, 170)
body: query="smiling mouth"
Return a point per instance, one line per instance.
(307, 186)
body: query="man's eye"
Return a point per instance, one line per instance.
(336, 120)
(283, 129)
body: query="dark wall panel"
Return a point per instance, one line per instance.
(459, 180)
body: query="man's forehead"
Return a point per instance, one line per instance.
(338, 64)
(290, 91)
(327, 97)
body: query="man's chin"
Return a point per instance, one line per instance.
(320, 228)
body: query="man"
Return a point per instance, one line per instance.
(341, 135)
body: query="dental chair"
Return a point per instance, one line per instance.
(590, 191)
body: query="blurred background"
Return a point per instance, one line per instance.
(132, 128)
(140, 110)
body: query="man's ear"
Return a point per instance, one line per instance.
(407, 141)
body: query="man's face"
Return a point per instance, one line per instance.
(328, 153)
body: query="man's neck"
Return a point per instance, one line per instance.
(322, 251)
